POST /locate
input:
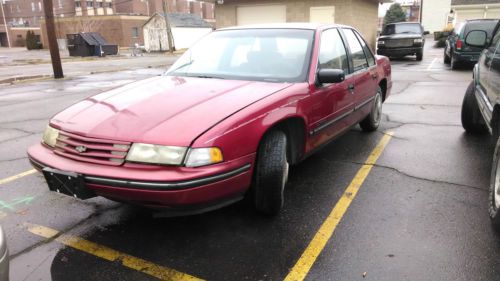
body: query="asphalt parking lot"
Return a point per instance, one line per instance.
(408, 202)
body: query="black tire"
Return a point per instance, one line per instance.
(446, 58)
(372, 121)
(454, 63)
(472, 120)
(493, 207)
(420, 55)
(271, 173)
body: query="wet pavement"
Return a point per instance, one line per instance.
(421, 213)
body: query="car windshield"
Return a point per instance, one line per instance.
(401, 28)
(271, 55)
(487, 26)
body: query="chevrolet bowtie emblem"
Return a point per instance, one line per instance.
(81, 148)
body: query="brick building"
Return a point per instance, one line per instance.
(80, 15)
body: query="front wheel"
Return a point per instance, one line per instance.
(420, 55)
(494, 196)
(372, 121)
(271, 173)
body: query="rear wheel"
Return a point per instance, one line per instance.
(472, 120)
(494, 196)
(271, 173)
(454, 63)
(446, 58)
(372, 121)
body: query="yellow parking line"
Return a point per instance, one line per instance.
(317, 244)
(18, 176)
(109, 254)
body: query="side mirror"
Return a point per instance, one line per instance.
(328, 76)
(476, 38)
(426, 33)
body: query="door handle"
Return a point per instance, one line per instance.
(351, 88)
(374, 76)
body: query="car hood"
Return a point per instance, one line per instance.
(162, 110)
(401, 36)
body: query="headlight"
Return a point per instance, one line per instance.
(418, 40)
(381, 42)
(156, 154)
(203, 156)
(50, 136)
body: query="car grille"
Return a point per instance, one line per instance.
(397, 43)
(98, 151)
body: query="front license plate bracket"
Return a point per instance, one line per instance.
(67, 183)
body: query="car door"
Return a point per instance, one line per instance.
(364, 75)
(491, 69)
(332, 103)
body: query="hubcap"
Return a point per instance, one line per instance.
(285, 173)
(377, 110)
(497, 184)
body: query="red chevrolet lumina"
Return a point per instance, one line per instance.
(225, 121)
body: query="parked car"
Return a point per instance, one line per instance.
(402, 39)
(4, 257)
(481, 106)
(457, 52)
(226, 120)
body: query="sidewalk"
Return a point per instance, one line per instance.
(18, 64)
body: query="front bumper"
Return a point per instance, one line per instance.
(397, 52)
(157, 186)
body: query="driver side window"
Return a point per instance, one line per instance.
(332, 52)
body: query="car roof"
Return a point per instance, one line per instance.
(292, 25)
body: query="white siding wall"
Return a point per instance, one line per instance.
(434, 14)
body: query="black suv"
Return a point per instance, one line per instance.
(481, 105)
(457, 51)
(402, 39)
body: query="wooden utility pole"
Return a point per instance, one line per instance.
(5, 23)
(169, 29)
(51, 34)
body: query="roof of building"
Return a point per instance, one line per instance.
(472, 2)
(183, 20)
(93, 38)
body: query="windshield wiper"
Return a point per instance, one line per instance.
(206, 76)
(181, 66)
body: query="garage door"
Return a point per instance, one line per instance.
(260, 14)
(463, 15)
(493, 14)
(322, 14)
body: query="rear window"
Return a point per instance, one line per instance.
(487, 26)
(402, 28)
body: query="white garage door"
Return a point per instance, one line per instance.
(322, 14)
(463, 15)
(260, 14)
(493, 14)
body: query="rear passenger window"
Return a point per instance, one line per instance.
(332, 52)
(368, 52)
(358, 55)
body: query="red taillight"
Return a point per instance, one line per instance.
(459, 44)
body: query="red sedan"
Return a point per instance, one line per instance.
(225, 121)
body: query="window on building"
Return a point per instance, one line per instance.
(32, 6)
(110, 5)
(135, 32)
(100, 4)
(18, 10)
(90, 4)
(59, 3)
(40, 6)
(78, 4)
